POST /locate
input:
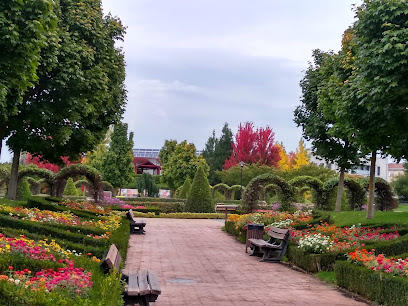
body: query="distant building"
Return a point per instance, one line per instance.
(394, 170)
(147, 160)
(381, 166)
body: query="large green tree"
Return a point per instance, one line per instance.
(80, 88)
(315, 116)
(179, 161)
(373, 106)
(146, 182)
(217, 151)
(26, 28)
(118, 168)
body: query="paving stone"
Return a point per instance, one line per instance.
(198, 264)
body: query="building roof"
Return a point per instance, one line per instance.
(395, 167)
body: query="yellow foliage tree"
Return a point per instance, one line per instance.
(284, 162)
(301, 158)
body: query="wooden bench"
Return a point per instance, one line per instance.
(136, 226)
(141, 286)
(277, 244)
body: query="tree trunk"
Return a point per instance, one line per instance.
(371, 187)
(12, 186)
(340, 190)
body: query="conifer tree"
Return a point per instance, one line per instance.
(23, 190)
(118, 168)
(284, 163)
(70, 189)
(301, 158)
(199, 198)
(185, 189)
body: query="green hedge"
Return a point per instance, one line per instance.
(380, 287)
(313, 263)
(43, 204)
(391, 247)
(49, 230)
(149, 200)
(231, 229)
(165, 207)
(187, 215)
(155, 210)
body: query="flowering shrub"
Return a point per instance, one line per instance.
(315, 243)
(268, 218)
(394, 266)
(74, 279)
(85, 206)
(115, 202)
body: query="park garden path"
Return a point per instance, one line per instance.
(198, 264)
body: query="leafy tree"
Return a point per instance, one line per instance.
(217, 151)
(253, 147)
(70, 189)
(80, 88)
(373, 105)
(35, 160)
(400, 185)
(320, 173)
(181, 162)
(118, 167)
(301, 158)
(284, 163)
(26, 27)
(146, 182)
(186, 189)
(316, 114)
(199, 199)
(95, 158)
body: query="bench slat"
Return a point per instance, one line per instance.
(258, 242)
(118, 260)
(143, 285)
(153, 282)
(111, 256)
(133, 285)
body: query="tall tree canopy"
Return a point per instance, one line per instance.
(180, 161)
(217, 151)
(118, 168)
(253, 147)
(26, 27)
(373, 105)
(316, 115)
(80, 87)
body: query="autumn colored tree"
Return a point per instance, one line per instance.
(285, 162)
(301, 158)
(36, 160)
(254, 147)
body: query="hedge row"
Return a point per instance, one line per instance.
(49, 230)
(47, 204)
(165, 207)
(187, 215)
(151, 200)
(154, 210)
(380, 287)
(318, 217)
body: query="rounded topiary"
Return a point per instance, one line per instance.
(70, 189)
(185, 189)
(23, 190)
(199, 198)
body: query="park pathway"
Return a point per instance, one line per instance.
(198, 264)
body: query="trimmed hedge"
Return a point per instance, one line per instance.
(187, 215)
(147, 200)
(43, 204)
(50, 230)
(380, 287)
(313, 262)
(165, 207)
(154, 210)
(231, 229)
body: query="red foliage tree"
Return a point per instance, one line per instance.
(253, 147)
(36, 160)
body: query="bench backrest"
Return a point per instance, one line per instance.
(112, 259)
(278, 233)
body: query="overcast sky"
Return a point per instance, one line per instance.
(193, 65)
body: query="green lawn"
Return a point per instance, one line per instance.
(348, 218)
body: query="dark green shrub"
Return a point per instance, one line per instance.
(380, 287)
(141, 199)
(70, 189)
(199, 198)
(23, 190)
(155, 210)
(146, 182)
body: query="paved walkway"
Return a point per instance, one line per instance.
(198, 264)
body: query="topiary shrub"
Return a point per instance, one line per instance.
(385, 198)
(199, 198)
(70, 189)
(355, 192)
(23, 190)
(312, 183)
(185, 189)
(255, 189)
